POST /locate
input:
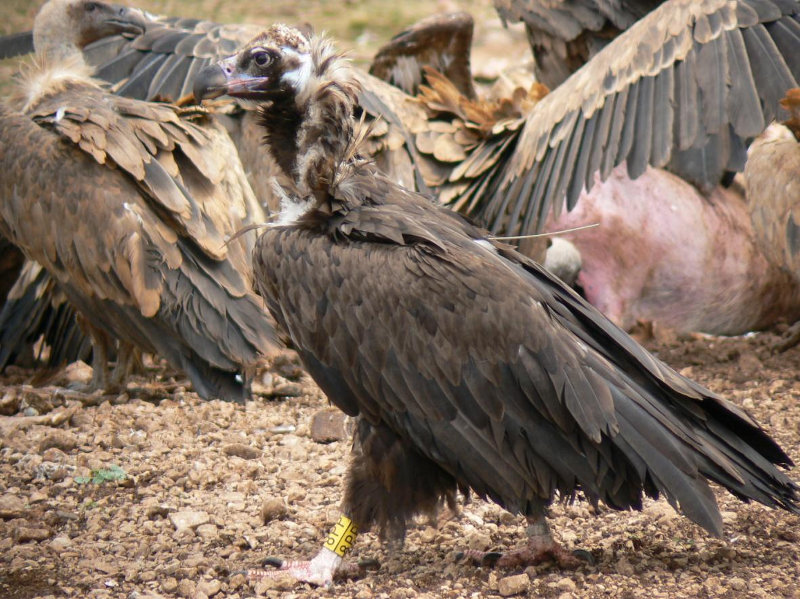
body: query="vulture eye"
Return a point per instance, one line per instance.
(262, 59)
(91, 6)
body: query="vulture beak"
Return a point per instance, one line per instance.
(126, 20)
(225, 78)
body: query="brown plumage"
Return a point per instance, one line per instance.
(565, 34)
(466, 363)
(160, 63)
(131, 207)
(772, 178)
(511, 169)
(442, 42)
(653, 82)
(35, 308)
(11, 260)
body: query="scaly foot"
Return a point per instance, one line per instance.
(321, 570)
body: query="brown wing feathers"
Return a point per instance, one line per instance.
(140, 245)
(642, 424)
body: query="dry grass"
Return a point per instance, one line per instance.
(360, 26)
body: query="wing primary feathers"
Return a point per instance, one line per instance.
(786, 35)
(642, 135)
(578, 177)
(628, 132)
(687, 123)
(745, 113)
(664, 115)
(771, 73)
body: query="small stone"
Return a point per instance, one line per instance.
(661, 511)
(328, 426)
(60, 543)
(188, 520)
(157, 511)
(513, 585)
(281, 582)
(187, 588)
(492, 583)
(428, 534)
(273, 508)
(737, 584)
(23, 534)
(209, 587)
(565, 584)
(170, 585)
(479, 541)
(58, 439)
(287, 390)
(207, 532)
(749, 364)
(624, 567)
(242, 451)
(236, 581)
(566, 595)
(77, 372)
(11, 506)
(364, 594)
(36, 497)
(728, 517)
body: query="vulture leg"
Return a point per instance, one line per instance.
(100, 378)
(541, 547)
(327, 565)
(128, 362)
(790, 339)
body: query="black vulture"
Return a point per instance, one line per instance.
(467, 364)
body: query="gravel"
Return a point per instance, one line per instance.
(209, 489)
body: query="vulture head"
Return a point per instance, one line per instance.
(275, 64)
(63, 27)
(305, 95)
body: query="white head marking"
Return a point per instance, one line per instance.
(298, 78)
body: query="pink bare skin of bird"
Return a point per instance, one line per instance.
(665, 253)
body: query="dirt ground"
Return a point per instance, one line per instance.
(155, 493)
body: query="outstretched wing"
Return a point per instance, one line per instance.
(565, 34)
(685, 87)
(441, 41)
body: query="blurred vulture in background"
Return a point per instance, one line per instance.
(772, 179)
(565, 34)
(133, 208)
(685, 88)
(154, 58)
(442, 42)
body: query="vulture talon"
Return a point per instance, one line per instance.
(275, 562)
(584, 555)
(369, 564)
(491, 558)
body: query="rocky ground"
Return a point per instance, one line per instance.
(152, 492)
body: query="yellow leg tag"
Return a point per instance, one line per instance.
(342, 536)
